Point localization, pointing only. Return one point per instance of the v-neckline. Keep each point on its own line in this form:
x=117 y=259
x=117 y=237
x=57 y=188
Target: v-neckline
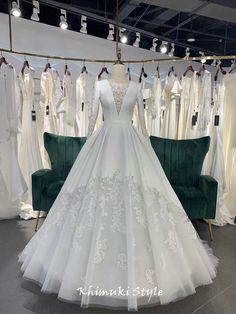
x=113 y=98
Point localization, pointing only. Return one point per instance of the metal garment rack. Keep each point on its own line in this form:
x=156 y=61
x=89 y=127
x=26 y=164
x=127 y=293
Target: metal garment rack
x=174 y=59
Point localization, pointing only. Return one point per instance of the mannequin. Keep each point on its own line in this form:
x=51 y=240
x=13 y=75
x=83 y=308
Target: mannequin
x=118 y=72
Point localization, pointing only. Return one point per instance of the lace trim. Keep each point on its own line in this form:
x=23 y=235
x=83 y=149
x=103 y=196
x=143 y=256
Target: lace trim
x=104 y=203
x=119 y=91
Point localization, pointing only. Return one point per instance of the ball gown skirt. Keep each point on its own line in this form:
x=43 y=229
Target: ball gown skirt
x=117 y=235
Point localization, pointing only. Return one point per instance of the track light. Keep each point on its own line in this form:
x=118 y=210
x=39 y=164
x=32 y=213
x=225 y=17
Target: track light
x=137 y=40
x=15 y=8
x=187 y=53
x=83 y=24
x=203 y=59
x=171 y=53
x=111 y=32
x=191 y=38
x=154 y=44
x=123 y=38
x=63 y=22
x=163 y=47
x=35 y=15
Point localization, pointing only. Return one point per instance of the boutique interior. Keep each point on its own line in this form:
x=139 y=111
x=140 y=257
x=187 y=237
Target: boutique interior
x=53 y=55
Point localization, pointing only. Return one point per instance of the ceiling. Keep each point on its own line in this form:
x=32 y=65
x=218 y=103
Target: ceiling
x=211 y=22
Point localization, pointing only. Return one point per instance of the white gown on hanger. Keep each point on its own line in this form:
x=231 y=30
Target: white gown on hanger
x=229 y=139
x=29 y=152
x=117 y=221
x=214 y=164
x=156 y=110
x=84 y=86
x=188 y=106
x=171 y=93
x=12 y=183
x=67 y=109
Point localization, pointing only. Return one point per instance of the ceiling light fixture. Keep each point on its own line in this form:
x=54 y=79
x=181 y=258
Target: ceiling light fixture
x=35 y=15
x=111 y=32
x=137 y=40
x=191 y=38
x=15 y=8
x=123 y=38
x=63 y=20
x=163 y=47
x=171 y=53
x=154 y=45
x=83 y=25
x=203 y=59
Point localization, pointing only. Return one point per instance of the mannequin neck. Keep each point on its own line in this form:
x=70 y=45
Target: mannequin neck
x=118 y=74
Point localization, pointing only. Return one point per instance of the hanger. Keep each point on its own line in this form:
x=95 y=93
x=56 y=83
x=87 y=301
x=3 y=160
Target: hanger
x=84 y=69
x=157 y=70
x=128 y=72
x=2 y=60
x=104 y=69
x=219 y=69
x=66 y=71
x=233 y=67
x=189 y=68
x=143 y=73
x=25 y=65
x=202 y=69
x=47 y=66
x=172 y=70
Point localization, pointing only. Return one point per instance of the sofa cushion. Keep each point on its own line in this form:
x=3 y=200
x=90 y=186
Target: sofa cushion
x=54 y=188
x=62 y=151
x=181 y=160
x=193 y=201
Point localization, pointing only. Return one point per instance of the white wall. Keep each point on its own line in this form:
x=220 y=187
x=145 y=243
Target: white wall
x=40 y=38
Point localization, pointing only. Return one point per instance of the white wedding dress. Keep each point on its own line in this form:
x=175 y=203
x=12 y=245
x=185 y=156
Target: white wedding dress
x=117 y=223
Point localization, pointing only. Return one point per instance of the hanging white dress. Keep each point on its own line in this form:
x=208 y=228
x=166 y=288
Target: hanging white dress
x=12 y=183
x=84 y=86
x=204 y=105
x=229 y=139
x=156 y=109
x=214 y=162
x=117 y=221
x=48 y=101
x=171 y=93
x=67 y=108
x=188 y=104
x=29 y=152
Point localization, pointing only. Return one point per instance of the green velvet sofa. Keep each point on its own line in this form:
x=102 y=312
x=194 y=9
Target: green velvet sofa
x=182 y=162
x=47 y=183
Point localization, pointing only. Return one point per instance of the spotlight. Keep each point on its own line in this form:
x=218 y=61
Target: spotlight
x=123 y=38
x=171 y=53
x=154 y=44
x=63 y=22
x=137 y=40
x=111 y=32
x=83 y=24
x=15 y=10
x=35 y=15
x=203 y=59
x=191 y=38
x=163 y=47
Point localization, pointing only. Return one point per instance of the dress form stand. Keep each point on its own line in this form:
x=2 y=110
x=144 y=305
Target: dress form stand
x=118 y=74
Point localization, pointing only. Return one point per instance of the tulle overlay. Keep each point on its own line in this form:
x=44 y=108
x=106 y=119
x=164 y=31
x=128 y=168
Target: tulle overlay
x=117 y=224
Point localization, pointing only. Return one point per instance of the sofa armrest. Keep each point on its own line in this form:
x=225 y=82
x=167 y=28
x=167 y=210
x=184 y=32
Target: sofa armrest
x=40 y=180
x=208 y=186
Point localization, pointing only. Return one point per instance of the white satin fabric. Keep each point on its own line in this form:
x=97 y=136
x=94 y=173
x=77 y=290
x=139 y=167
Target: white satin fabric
x=117 y=221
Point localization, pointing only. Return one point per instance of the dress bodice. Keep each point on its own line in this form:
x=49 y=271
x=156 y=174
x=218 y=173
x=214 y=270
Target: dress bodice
x=118 y=101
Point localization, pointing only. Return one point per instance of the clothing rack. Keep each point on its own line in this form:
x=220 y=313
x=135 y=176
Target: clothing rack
x=169 y=59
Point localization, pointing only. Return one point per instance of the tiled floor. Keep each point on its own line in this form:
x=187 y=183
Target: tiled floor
x=18 y=296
